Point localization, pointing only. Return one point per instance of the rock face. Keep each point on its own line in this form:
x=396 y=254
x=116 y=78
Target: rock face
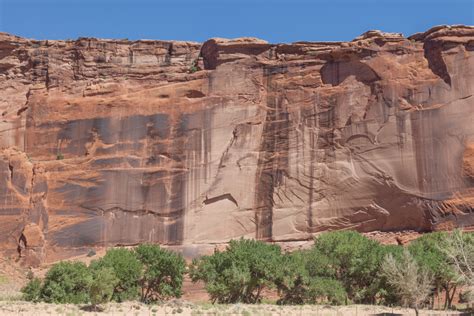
x=112 y=142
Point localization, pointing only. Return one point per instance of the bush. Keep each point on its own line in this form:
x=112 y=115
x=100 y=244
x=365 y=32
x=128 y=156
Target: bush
x=302 y=280
x=352 y=259
x=103 y=285
x=411 y=283
x=67 y=282
x=327 y=290
x=194 y=67
x=126 y=267
x=429 y=255
x=32 y=290
x=163 y=272
x=387 y=293
x=240 y=273
x=294 y=278
x=459 y=247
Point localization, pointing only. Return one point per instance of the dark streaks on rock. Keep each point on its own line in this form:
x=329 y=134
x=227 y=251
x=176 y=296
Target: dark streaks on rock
x=273 y=157
x=116 y=142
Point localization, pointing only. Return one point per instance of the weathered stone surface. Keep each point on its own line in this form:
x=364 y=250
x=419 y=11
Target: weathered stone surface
x=112 y=142
x=468 y=160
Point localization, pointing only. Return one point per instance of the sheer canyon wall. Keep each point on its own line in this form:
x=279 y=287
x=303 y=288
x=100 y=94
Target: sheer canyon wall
x=117 y=142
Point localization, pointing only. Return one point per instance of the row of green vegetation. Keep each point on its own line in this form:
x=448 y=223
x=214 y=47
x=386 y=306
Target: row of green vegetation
x=340 y=268
x=147 y=272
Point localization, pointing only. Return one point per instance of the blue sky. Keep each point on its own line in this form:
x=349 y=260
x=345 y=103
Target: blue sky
x=198 y=20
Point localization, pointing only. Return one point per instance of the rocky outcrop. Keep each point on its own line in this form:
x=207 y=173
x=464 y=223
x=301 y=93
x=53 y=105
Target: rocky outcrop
x=114 y=142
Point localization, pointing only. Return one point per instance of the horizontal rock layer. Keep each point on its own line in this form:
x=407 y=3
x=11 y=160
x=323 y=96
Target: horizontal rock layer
x=115 y=142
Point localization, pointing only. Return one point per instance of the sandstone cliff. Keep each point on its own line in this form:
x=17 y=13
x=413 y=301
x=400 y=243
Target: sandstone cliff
x=116 y=142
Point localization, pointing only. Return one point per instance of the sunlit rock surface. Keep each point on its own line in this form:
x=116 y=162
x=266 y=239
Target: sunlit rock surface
x=116 y=142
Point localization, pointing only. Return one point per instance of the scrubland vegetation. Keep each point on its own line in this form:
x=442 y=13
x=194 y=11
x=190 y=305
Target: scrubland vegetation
x=341 y=268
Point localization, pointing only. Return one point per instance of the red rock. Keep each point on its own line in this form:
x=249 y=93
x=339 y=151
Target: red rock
x=116 y=142
x=468 y=161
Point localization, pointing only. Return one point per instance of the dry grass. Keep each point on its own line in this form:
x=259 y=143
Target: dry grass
x=178 y=307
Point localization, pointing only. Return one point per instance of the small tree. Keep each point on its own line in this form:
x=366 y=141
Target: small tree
x=429 y=255
x=103 y=285
x=32 y=290
x=387 y=293
x=327 y=290
x=412 y=284
x=127 y=268
x=294 y=278
x=67 y=282
x=240 y=273
x=459 y=247
x=305 y=278
x=163 y=272
x=351 y=258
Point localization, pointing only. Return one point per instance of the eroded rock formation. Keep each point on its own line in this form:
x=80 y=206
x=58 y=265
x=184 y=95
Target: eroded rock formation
x=112 y=142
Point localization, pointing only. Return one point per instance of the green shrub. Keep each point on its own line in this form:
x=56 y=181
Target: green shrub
x=127 y=269
x=353 y=259
x=294 y=278
x=32 y=290
x=459 y=248
x=103 y=285
x=326 y=290
x=428 y=253
x=163 y=272
x=240 y=273
x=67 y=282
x=412 y=284
x=194 y=67
x=387 y=293
x=302 y=280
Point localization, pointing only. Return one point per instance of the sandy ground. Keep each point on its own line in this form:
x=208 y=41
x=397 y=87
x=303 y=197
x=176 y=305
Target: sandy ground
x=185 y=308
